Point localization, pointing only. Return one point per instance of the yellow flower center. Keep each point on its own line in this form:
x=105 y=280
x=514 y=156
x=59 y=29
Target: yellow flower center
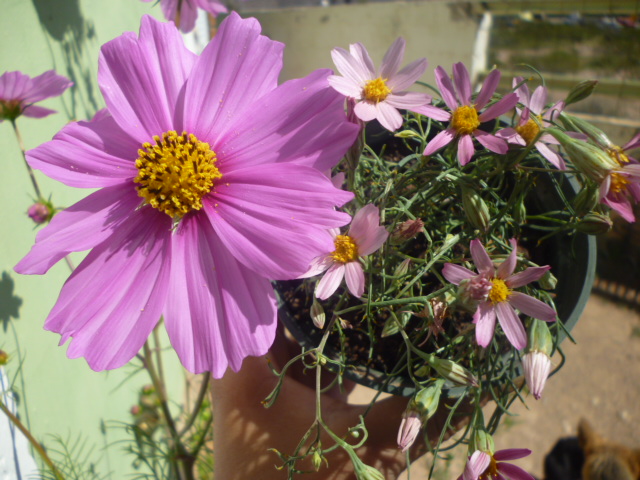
x=465 y=120
x=346 y=249
x=617 y=154
x=529 y=131
x=175 y=173
x=619 y=182
x=499 y=291
x=376 y=90
x=491 y=472
x=10 y=109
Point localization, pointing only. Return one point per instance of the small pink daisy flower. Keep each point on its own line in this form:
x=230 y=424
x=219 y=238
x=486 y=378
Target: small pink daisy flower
x=483 y=465
x=621 y=187
x=492 y=288
x=378 y=93
x=19 y=92
x=184 y=12
x=533 y=118
x=364 y=237
x=466 y=116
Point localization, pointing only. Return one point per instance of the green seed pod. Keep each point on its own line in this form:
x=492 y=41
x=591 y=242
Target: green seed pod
x=594 y=224
x=475 y=209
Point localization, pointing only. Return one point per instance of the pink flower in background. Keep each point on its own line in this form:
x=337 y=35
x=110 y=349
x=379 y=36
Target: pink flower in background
x=532 y=119
x=378 y=93
x=482 y=465
x=184 y=12
x=19 y=92
x=493 y=290
x=409 y=429
x=536 y=366
x=466 y=116
x=621 y=187
x=365 y=236
x=210 y=185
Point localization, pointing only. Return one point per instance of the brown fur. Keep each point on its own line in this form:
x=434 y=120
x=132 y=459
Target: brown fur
x=606 y=460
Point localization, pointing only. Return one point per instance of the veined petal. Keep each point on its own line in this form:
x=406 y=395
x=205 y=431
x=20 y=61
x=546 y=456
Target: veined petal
x=462 y=82
x=36 y=111
x=88 y=155
x=507 y=267
x=345 y=86
x=188 y=16
x=445 y=86
x=527 y=276
x=388 y=116
x=456 y=273
x=330 y=281
x=140 y=85
x=349 y=66
x=112 y=301
x=481 y=258
x=532 y=307
x=511 y=324
x=476 y=465
x=219 y=312
x=433 y=112
x=465 y=149
x=511 y=454
x=365 y=229
x=393 y=59
x=80 y=227
x=214 y=7
x=238 y=67
x=522 y=91
x=354 y=276
x=501 y=107
x=622 y=205
x=274 y=219
x=318 y=265
x=442 y=139
x=538 y=100
x=366 y=111
x=488 y=89
x=361 y=55
x=485 y=320
x=408 y=100
x=302 y=121
x=554 y=158
x=491 y=142
x=513 y=472
x=408 y=75
x=633 y=143
x=47 y=85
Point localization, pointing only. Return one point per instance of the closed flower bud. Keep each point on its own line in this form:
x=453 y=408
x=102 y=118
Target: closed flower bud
x=135 y=410
x=481 y=440
x=317 y=314
x=520 y=213
x=586 y=157
x=409 y=429
x=4 y=357
x=594 y=133
x=40 y=212
x=427 y=399
x=406 y=231
x=365 y=472
x=581 y=91
x=540 y=338
x=453 y=372
x=594 y=224
x=317 y=460
x=536 y=366
x=548 y=281
x=586 y=199
x=475 y=209
x=402 y=269
x=407 y=134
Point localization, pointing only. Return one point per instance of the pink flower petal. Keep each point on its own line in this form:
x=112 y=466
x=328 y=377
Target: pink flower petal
x=141 y=81
x=525 y=277
x=491 y=142
x=511 y=324
x=554 y=158
x=408 y=100
x=446 y=88
x=532 y=307
x=393 y=59
x=112 y=301
x=354 y=276
x=476 y=465
x=80 y=227
x=465 y=149
x=433 y=112
x=14 y=85
x=238 y=67
x=633 y=143
x=88 y=155
x=481 y=259
x=513 y=472
x=507 y=267
x=366 y=111
x=345 y=86
x=330 y=281
x=408 y=75
x=219 y=312
x=488 y=88
x=47 y=85
x=522 y=91
x=462 y=82
x=538 y=100
x=361 y=56
x=388 y=116
x=318 y=265
x=366 y=230
x=455 y=273
x=349 y=67
x=35 y=111
x=511 y=454
x=442 y=139
x=302 y=121
x=485 y=320
x=501 y=107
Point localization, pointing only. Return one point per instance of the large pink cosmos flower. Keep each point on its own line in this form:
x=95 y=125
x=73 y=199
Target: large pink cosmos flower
x=19 y=92
x=492 y=289
x=364 y=237
x=210 y=185
x=466 y=116
x=378 y=93
x=185 y=12
x=621 y=187
x=494 y=467
x=528 y=128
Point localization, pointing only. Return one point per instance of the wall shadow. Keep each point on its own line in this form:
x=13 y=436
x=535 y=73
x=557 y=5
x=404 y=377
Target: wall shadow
x=9 y=303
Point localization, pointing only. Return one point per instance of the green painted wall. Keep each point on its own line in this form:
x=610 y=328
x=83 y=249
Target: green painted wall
x=63 y=396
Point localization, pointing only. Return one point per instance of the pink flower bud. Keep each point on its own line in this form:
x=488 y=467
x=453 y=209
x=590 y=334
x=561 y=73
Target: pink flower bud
x=135 y=410
x=409 y=429
x=39 y=213
x=4 y=357
x=406 y=230
x=536 y=367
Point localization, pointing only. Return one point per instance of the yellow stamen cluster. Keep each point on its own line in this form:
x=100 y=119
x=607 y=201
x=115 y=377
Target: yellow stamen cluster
x=376 y=90
x=618 y=155
x=346 y=249
x=529 y=131
x=619 y=182
x=465 y=120
x=491 y=472
x=499 y=291
x=175 y=173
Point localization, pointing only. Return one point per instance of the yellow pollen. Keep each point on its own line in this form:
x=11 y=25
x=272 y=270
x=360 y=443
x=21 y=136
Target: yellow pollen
x=499 y=291
x=619 y=182
x=346 y=249
x=465 y=120
x=376 y=90
x=491 y=472
x=175 y=173
x=529 y=131
x=617 y=154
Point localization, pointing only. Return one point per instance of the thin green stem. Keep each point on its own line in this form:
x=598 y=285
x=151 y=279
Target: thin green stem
x=34 y=182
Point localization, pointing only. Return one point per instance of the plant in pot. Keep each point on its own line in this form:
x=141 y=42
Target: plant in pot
x=470 y=255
